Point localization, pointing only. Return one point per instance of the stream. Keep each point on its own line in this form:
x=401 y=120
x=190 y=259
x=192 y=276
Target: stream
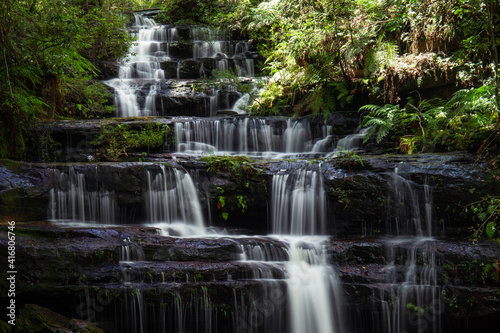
x=312 y=241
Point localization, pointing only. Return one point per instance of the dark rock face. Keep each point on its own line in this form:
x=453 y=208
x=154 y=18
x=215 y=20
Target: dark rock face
x=189 y=69
x=190 y=275
x=181 y=50
x=37 y=319
x=169 y=68
x=358 y=198
x=176 y=271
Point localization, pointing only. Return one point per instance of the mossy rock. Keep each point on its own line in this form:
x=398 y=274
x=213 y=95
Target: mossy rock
x=37 y=319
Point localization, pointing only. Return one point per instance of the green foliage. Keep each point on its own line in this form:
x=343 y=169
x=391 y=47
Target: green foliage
x=349 y=159
x=474 y=272
x=344 y=196
x=42 y=43
x=419 y=310
x=310 y=44
x=487 y=211
x=381 y=119
x=241 y=172
x=240 y=165
x=45 y=146
x=117 y=139
x=87 y=98
x=206 y=12
x=5 y=327
x=434 y=124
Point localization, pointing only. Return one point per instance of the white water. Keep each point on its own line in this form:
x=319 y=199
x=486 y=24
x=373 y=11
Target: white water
x=353 y=141
x=71 y=202
x=142 y=74
x=413 y=302
x=314 y=290
x=170 y=199
x=142 y=66
x=299 y=203
x=172 y=203
x=259 y=137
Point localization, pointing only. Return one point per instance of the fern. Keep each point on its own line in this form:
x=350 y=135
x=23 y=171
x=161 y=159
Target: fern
x=383 y=54
x=382 y=119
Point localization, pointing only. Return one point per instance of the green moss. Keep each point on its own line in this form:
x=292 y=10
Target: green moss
x=117 y=140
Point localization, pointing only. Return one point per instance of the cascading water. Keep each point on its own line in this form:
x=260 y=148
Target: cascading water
x=299 y=209
x=412 y=299
x=266 y=137
x=299 y=203
x=142 y=67
x=314 y=290
x=71 y=201
x=164 y=54
x=172 y=203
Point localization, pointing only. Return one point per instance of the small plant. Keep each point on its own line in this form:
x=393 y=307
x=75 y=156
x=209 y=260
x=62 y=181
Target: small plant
x=143 y=157
x=45 y=145
x=117 y=139
x=87 y=98
x=221 y=204
x=241 y=170
x=382 y=120
x=349 y=159
x=487 y=210
x=344 y=196
x=242 y=202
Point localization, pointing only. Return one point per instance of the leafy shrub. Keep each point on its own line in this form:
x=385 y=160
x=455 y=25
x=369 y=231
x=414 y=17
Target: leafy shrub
x=117 y=139
x=87 y=98
x=433 y=123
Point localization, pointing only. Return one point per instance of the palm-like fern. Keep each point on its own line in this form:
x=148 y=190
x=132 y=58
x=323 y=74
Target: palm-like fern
x=382 y=120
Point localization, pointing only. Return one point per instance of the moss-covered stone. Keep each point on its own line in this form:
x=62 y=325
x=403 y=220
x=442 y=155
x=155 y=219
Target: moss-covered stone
x=37 y=319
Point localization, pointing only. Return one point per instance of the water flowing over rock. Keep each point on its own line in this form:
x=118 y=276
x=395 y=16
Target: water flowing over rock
x=314 y=232
x=154 y=77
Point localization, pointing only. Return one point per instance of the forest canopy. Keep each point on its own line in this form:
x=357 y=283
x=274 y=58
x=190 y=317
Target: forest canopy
x=392 y=59
x=48 y=50
x=425 y=73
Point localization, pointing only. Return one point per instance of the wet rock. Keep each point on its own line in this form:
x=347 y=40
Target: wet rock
x=226 y=99
x=36 y=319
x=189 y=69
x=23 y=192
x=185 y=105
x=108 y=70
x=197 y=249
x=208 y=65
x=181 y=50
x=183 y=32
x=169 y=68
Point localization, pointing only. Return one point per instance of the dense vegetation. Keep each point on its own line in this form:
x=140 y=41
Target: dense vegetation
x=321 y=55
x=423 y=72
x=396 y=56
x=50 y=52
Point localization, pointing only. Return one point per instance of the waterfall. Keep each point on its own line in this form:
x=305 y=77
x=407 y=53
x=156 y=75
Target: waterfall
x=412 y=300
x=172 y=203
x=314 y=290
x=131 y=259
x=142 y=68
x=407 y=216
x=266 y=137
x=299 y=203
x=353 y=141
x=71 y=202
x=295 y=137
x=161 y=53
